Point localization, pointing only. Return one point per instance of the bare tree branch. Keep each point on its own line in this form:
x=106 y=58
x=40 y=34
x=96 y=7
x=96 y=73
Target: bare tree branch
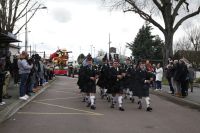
x=143 y=15
x=158 y=5
x=185 y=18
x=27 y=20
x=175 y=13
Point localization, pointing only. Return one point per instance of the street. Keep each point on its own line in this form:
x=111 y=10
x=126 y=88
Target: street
x=59 y=110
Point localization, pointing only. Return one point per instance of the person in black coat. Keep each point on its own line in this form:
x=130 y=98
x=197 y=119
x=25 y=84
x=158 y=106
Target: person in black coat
x=184 y=78
x=115 y=89
x=169 y=76
x=103 y=78
x=142 y=83
x=127 y=81
x=2 y=79
x=90 y=76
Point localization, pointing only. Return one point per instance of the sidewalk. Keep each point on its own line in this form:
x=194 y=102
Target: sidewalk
x=192 y=100
x=14 y=103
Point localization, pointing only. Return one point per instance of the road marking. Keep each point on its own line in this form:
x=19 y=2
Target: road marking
x=55 y=99
x=37 y=113
x=54 y=105
x=69 y=92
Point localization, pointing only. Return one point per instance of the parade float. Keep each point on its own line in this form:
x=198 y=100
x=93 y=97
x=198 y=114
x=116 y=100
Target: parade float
x=60 y=60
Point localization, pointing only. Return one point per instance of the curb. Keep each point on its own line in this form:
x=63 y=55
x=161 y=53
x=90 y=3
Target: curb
x=18 y=104
x=177 y=100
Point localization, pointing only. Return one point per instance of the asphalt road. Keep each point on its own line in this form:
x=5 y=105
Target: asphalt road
x=59 y=110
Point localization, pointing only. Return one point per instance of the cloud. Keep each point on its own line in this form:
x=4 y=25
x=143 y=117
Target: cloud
x=61 y=15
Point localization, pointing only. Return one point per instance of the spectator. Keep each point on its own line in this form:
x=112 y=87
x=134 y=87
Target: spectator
x=2 y=78
x=159 y=76
x=176 y=77
x=24 y=71
x=7 y=77
x=169 y=76
x=184 y=78
x=15 y=70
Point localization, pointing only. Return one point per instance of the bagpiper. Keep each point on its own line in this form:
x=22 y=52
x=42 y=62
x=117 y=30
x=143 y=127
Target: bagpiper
x=103 y=81
x=90 y=76
x=142 y=82
x=115 y=88
x=127 y=80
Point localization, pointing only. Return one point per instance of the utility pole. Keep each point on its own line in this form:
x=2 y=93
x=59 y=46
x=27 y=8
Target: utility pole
x=109 y=45
x=91 y=46
x=26 y=32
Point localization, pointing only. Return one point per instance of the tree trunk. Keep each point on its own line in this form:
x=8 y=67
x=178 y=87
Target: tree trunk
x=168 y=48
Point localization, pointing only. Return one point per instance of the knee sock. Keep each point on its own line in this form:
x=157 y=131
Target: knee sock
x=114 y=99
x=92 y=99
x=130 y=94
x=105 y=90
x=147 y=99
x=120 y=101
x=127 y=91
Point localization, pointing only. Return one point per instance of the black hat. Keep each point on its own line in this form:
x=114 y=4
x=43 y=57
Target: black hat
x=110 y=57
x=89 y=57
x=116 y=58
x=105 y=57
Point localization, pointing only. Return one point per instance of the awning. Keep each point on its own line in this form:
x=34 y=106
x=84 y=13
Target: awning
x=4 y=38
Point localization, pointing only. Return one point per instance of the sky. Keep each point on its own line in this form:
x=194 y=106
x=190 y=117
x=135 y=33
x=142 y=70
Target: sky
x=82 y=26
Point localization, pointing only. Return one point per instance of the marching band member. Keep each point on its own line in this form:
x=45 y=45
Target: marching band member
x=89 y=76
x=142 y=82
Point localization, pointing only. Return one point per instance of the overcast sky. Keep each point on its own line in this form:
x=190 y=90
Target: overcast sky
x=78 y=24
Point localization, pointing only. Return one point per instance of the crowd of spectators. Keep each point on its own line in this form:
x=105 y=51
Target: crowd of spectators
x=28 y=73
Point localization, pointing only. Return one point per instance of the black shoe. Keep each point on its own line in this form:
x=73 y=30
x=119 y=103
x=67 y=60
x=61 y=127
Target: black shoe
x=88 y=105
x=149 y=109
x=132 y=100
x=140 y=105
x=112 y=106
x=93 y=107
x=121 y=108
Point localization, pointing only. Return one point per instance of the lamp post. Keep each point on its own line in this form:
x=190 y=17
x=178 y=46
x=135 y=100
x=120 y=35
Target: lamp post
x=26 y=32
x=26 y=26
x=109 y=46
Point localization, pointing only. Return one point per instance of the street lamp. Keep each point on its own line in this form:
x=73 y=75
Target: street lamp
x=26 y=26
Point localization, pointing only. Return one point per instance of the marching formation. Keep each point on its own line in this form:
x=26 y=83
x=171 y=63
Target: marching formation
x=116 y=81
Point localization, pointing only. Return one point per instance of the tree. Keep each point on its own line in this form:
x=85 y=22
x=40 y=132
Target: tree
x=80 y=58
x=12 y=11
x=173 y=12
x=145 y=45
x=183 y=44
x=194 y=37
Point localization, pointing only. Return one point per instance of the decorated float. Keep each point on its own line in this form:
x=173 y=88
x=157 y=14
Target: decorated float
x=60 y=60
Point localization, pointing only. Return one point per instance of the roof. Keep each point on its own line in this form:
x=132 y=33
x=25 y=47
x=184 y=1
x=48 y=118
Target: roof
x=4 y=38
